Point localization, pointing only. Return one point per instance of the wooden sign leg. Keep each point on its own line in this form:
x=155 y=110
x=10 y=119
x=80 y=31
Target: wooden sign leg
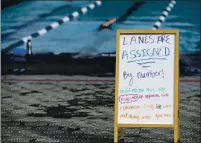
x=176 y=131
x=121 y=135
x=176 y=135
x=115 y=133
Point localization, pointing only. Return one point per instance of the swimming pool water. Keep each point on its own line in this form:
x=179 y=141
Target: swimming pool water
x=81 y=35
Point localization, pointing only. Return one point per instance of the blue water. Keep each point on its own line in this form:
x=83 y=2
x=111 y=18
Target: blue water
x=81 y=35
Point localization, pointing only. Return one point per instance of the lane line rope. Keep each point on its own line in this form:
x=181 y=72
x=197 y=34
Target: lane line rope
x=52 y=26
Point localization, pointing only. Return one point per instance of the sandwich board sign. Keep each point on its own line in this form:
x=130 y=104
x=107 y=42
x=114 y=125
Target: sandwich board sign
x=147 y=80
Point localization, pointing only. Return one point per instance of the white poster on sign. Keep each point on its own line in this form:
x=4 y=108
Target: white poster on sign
x=146 y=78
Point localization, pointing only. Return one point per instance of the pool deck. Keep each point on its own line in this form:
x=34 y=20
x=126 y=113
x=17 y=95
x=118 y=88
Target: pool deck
x=56 y=108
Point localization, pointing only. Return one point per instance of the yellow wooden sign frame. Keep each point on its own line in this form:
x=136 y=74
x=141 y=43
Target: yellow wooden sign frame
x=175 y=125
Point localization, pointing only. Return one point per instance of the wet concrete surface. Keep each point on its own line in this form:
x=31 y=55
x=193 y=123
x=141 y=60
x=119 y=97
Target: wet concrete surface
x=38 y=110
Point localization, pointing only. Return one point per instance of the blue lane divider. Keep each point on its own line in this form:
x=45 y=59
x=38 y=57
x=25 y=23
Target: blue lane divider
x=54 y=25
x=164 y=15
